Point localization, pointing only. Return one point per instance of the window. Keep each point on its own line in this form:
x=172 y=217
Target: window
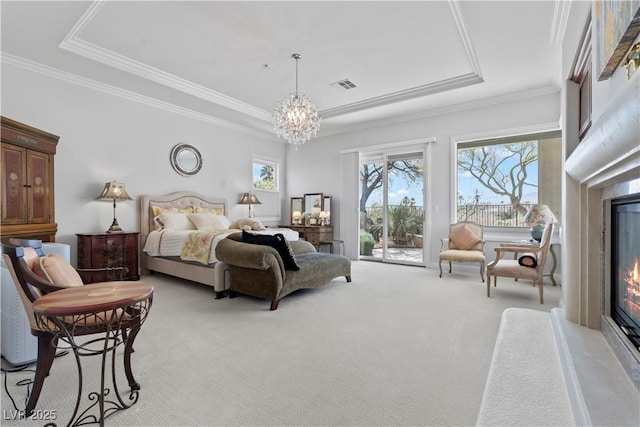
x=499 y=179
x=265 y=174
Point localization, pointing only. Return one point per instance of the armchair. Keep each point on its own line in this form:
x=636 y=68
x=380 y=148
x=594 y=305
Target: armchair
x=515 y=268
x=464 y=244
x=36 y=274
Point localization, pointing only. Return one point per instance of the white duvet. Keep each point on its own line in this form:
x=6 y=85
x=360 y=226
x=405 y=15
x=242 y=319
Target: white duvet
x=170 y=242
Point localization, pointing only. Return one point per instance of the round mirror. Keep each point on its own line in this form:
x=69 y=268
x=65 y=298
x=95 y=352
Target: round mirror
x=186 y=159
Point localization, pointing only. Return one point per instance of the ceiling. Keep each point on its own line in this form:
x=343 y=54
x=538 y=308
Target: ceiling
x=230 y=63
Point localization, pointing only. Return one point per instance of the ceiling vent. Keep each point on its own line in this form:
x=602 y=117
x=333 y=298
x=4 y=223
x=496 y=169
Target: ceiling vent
x=345 y=84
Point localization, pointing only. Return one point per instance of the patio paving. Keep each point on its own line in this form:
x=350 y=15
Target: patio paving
x=413 y=255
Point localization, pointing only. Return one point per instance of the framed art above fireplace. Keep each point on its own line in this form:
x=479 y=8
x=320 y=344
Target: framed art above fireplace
x=617 y=24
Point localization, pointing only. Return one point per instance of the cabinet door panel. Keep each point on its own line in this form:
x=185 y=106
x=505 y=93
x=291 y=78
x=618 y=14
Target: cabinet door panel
x=38 y=187
x=14 y=194
x=27 y=199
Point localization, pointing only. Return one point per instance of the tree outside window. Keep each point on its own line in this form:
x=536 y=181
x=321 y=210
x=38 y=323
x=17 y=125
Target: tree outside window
x=499 y=180
x=265 y=175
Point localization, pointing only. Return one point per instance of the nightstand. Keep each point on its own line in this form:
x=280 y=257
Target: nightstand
x=104 y=257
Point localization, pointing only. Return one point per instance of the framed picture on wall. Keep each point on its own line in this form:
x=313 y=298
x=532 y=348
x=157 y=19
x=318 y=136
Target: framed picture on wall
x=617 y=24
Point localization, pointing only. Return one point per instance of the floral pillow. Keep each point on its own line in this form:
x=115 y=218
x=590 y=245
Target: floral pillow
x=200 y=209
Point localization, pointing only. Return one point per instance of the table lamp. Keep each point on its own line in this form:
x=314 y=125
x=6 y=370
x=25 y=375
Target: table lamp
x=296 y=217
x=249 y=199
x=323 y=218
x=114 y=191
x=537 y=217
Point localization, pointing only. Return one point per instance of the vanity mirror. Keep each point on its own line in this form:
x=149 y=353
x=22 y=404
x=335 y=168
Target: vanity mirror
x=186 y=159
x=326 y=207
x=297 y=208
x=312 y=209
x=313 y=202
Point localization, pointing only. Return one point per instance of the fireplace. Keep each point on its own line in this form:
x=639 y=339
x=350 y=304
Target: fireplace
x=625 y=266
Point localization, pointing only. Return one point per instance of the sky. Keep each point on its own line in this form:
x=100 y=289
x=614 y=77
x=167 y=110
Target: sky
x=467 y=185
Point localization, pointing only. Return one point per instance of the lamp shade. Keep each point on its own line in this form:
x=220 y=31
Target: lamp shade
x=539 y=214
x=249 y=199
x=114 y=191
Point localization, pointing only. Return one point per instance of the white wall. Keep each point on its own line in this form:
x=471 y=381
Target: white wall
x=315 y=166
x=105 y=137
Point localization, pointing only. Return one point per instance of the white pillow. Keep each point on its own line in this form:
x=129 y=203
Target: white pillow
x=209 y=221
x=156 y=211
x=175 y=221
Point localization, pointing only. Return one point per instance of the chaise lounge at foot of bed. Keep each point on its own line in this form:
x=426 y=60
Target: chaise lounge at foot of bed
x=260 y=271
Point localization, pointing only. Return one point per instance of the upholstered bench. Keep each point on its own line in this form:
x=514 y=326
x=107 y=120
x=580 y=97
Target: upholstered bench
x=526 y=385
x=266 y=269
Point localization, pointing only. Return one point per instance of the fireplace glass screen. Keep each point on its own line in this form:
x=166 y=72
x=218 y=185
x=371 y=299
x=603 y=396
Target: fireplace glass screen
x=625 y=271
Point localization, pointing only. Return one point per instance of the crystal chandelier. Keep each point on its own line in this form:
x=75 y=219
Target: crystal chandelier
x=296 y=119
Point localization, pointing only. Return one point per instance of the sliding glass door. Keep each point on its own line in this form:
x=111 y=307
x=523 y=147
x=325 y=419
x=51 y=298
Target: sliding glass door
x=392 y=200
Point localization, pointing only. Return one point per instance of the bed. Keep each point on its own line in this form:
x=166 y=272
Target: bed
x=161 y=247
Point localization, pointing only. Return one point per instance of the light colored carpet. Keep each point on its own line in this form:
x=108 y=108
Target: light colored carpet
x=397 y=346
x=525 y=386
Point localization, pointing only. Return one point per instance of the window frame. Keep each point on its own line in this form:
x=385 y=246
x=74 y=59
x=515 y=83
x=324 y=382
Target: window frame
x=536 y=132
x=265 y=161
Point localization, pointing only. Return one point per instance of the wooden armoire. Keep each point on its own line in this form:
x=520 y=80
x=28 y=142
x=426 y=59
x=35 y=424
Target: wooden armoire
x=27 y=190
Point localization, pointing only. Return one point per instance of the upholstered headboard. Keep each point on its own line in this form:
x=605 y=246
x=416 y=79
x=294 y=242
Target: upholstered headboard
x=180 y=200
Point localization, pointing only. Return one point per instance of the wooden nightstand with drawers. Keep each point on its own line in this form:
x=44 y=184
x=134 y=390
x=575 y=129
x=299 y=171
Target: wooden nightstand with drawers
x=104 y=257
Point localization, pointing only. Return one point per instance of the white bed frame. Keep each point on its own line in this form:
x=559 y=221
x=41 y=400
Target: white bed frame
x=213 y=274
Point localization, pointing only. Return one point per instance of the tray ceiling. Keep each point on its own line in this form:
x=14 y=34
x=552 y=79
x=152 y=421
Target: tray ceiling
x=230 y=62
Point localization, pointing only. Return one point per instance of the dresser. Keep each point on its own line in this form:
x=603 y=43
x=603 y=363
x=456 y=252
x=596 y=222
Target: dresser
x=27 y=187
x=108 y=256
x=313 y=234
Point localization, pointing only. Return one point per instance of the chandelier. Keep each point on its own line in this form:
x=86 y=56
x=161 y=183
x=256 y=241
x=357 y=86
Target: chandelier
x=296 y=119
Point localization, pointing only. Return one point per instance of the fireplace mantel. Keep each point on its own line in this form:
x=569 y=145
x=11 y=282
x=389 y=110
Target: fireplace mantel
x=611 y=146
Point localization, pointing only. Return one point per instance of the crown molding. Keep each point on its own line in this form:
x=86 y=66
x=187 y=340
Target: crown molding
x=74 y=44
x=464 y=35
x=416 y=92
x=561 y=9
x=48 y=71
x=75 y=79
x=448 y=109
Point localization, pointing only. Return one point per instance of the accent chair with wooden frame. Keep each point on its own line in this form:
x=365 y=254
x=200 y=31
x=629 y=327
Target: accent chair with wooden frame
x=464 y=244
x=533 y=269
x=24 y=258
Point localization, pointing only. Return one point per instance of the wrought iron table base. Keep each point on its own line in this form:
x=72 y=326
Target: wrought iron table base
x=119 y=325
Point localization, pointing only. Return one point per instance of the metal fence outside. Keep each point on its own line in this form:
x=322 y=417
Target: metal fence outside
x=500 y=215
